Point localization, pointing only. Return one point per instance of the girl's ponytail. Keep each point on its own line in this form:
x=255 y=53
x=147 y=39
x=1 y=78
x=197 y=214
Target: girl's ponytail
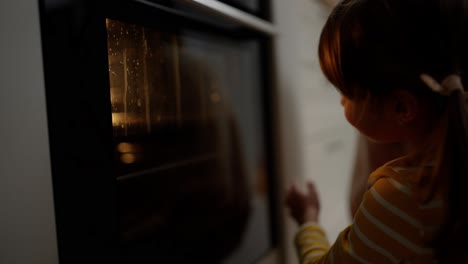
x=453 y=165
x=453 y=159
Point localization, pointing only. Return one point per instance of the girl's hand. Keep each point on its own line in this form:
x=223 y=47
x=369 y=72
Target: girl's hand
x=303 y=207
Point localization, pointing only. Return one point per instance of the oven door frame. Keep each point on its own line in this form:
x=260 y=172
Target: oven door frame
x=74 y=40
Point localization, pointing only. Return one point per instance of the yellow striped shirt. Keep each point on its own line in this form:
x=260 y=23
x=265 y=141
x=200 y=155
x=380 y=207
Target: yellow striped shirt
x=392 y=225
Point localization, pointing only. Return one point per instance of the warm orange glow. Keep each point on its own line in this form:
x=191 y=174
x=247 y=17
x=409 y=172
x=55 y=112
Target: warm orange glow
x=128 y=158
x=125 y=147
x=123 y=119
x=118 y=119
x=215 y=97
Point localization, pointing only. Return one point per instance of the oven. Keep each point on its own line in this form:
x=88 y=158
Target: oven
x=161 y=130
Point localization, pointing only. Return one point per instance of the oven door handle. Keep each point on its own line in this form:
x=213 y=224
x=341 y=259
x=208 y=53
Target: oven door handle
x=214 y=7
x=234 y=14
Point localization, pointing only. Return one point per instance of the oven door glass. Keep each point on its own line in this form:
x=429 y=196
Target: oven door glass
x=188 y=126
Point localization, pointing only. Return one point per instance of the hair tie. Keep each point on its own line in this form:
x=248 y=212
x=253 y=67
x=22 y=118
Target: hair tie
x=446 y=87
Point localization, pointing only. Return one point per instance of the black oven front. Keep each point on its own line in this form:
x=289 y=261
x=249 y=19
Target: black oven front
x=160 y=132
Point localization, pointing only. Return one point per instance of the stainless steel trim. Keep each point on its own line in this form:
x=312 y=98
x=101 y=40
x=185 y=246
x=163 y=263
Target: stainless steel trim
x=233 y=14
x=224 y=10
x=159 y=6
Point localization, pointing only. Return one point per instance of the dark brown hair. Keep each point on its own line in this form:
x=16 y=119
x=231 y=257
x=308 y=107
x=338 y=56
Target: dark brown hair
x=368 y=48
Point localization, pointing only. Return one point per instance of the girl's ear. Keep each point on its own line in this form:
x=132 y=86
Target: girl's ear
x=406 y=107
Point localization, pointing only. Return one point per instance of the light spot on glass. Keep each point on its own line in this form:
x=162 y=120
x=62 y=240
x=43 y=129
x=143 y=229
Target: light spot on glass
x=128 y=158
x=215 y=97
x=125 y=147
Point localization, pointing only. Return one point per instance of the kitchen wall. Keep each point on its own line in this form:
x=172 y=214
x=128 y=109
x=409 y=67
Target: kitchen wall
x=27 y=225
x=316 y=141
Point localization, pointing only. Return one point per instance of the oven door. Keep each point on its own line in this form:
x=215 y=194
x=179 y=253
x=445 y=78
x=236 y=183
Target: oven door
x=160 y=133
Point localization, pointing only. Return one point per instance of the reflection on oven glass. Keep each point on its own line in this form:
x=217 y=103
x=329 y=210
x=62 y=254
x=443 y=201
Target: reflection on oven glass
x=129 y=152
x=189 y=150
x=140 y=98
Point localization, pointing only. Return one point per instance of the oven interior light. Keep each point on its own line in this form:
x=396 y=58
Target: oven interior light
x=129 y=152
x=128 y=158
x=125 y=147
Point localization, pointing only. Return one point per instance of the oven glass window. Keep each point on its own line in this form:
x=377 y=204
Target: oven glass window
x=189 y=145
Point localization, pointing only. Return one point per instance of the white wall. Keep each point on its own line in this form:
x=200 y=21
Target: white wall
x=27 y=226
x=316 y=141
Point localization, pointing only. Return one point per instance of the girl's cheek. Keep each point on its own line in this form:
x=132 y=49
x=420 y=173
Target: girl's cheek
x=353 y=116
x=349 y=115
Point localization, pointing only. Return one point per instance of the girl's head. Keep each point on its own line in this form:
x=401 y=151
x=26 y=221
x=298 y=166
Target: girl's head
x=373 y=47
x=375 y=51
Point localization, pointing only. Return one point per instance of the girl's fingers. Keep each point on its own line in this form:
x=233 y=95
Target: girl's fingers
x=290 y=194
x=313 y=195
x=312 y=190
x=311 y=187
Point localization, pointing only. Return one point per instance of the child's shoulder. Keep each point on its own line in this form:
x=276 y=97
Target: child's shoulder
x=404 y=173
x=397 y=169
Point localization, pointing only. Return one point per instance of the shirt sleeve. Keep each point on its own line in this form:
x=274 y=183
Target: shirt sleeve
x=385 y=229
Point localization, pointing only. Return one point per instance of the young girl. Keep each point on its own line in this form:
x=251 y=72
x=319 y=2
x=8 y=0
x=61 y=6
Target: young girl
x=399 y=66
